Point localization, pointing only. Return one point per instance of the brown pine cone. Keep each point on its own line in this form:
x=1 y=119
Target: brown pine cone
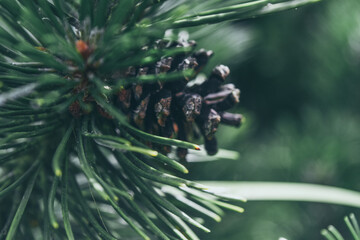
x=176 y=108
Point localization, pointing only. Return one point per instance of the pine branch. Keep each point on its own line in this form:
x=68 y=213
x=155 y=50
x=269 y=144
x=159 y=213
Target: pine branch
x=97 y=88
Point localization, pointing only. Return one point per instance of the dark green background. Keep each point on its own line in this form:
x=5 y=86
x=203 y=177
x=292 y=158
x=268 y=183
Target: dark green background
x=298 y=72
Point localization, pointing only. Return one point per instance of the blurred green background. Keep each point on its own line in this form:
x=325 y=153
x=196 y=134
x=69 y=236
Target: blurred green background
x=299 y=74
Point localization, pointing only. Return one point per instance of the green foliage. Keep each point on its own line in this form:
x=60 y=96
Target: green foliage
x=299 y=86
x=61 y=64
x=331 y=233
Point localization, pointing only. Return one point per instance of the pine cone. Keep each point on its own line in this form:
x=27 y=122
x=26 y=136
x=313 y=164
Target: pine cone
x=181 y=107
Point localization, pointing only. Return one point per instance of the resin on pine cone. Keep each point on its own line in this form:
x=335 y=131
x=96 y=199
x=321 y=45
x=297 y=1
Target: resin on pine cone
x=185 y=108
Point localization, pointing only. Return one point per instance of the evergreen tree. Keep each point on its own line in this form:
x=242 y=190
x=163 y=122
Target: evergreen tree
x=93 y=96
